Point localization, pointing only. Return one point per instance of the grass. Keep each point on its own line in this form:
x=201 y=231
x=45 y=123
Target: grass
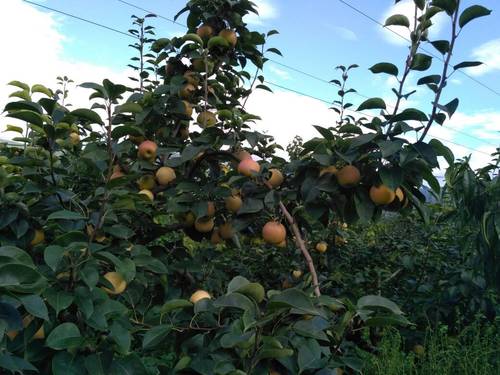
x=476 y=351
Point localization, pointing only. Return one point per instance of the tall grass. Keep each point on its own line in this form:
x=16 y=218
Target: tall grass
x=476 y=351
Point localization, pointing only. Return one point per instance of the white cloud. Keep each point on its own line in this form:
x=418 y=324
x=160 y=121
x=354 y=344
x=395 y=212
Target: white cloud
x=407 y=8
x=266 y=11
x=283 y=74
x=489 y=54
x=345 y=33
x=35 y=55
x=285 y=114
x=482 y=125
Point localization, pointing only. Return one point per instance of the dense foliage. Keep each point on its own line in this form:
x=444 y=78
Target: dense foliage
x=114 y=217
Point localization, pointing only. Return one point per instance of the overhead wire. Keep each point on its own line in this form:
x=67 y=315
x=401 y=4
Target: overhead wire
x=271 y=83
x=315 y=77
x=81 y=19
x=364 y=14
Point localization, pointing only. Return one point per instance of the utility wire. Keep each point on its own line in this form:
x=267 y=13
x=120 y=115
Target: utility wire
x=422 y=48
x=150 y=12
x=310 y=75
x=368 y=115
x=81 y=19
x=271 y=83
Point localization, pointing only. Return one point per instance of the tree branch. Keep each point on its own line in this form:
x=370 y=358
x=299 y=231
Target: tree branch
x=299 y=241
x=444 y=77
x=302 y=246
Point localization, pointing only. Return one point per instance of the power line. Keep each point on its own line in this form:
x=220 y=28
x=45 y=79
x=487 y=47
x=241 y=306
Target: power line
x=150 y=12
x=368 y=115
x=422 y=48
x=80 y=18
x=310 y=75
x=271 y=83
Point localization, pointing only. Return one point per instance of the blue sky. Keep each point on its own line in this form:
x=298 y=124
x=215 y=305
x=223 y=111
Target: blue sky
x=315 y=36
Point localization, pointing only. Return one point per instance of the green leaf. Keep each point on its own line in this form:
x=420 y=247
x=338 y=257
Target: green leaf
x=155 y=336
x=389 y=148
x=362 y=140
x=434 y=78
x=53 y=255
x=364 y=206
x=467 y=64
x=159 y=44
x=10 y=315
x=275 y=51
x=383 y=321
x=251 y=205
x=88 y=115
x=420 y=4
x=13 y=128
x=19 y=84
x=443 y=151
x=121 y=335
x=372 y=103
x=119 y=231
x=392 y=177
x=309 y=356
x=175 y=304
x=449 y=6
x=427 y=152
x=236 y=300
x=150 y=263
x=123 y=130
x=385 y=67
x=193 y=38
x=64 y=336
x=293 y=298
x=58 y=299
x=370 y=301
x=431 y=179
x=442 y=46
x=64 y=363
x=23 y=104
x=421 y=62
x=12 y=254
x=410 y=114
x=397 y=20
x=65 y=215
x=42 y=89
x=471 y=13
x=35 y=306
x=28 y=116
x=21 y=278
x=94 y=364
x=90 y=275
x=129 y=107
x=15 y=364
x=236 y=283
x=326 y=133
x=449 y=108
x=274 y=353
x=130 y=365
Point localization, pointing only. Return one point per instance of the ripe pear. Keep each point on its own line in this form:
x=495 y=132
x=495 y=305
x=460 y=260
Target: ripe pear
x=273 y=232
x=165 y=175
x=229 y=36
x=147 y=151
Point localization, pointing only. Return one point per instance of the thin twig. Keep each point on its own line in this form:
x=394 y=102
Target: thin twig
x=409 y=63
x=299 y=241
x=444 y=77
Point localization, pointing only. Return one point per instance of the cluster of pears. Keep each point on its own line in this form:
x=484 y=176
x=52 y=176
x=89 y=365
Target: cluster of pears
x=350 y=176
x=163 y=176
x=208 y=36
